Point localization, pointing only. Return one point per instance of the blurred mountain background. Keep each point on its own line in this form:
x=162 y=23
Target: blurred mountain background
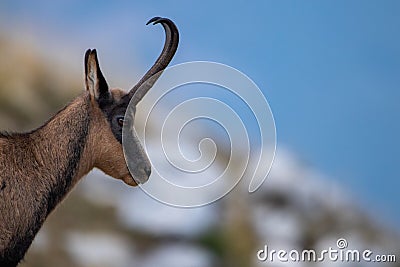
x=104 y=223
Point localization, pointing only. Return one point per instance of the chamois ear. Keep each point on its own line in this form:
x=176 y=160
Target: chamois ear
x=95 y=82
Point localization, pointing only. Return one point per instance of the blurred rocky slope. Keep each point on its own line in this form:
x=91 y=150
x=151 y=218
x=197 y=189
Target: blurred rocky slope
x=31 y=88
x=105 y=223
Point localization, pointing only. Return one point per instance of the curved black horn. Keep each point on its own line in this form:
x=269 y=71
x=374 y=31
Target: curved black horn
x=170 y=46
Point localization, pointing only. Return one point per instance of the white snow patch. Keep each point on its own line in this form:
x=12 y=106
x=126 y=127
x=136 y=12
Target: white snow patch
x=99 y=249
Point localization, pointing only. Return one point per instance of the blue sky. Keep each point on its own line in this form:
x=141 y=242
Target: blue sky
x=329 y=69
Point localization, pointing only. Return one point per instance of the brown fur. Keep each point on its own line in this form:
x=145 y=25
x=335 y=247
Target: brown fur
x=27 y=195
x=114 y=166
x=38 y=169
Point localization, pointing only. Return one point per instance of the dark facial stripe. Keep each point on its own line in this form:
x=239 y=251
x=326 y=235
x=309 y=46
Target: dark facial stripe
x=113 y=109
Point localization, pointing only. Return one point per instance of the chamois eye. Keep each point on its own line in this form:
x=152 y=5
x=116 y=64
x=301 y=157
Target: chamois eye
x=120 y=120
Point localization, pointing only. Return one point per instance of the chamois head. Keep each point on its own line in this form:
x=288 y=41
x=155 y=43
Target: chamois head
x=110 y=106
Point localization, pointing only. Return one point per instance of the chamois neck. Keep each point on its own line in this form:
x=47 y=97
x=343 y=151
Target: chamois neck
x=59 y=146
x=43 y=166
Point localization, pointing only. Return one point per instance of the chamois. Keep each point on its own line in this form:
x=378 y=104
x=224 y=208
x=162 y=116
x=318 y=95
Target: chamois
x=39 y=168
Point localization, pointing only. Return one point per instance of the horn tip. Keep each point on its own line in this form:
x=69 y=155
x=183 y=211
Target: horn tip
x=157 y=20
x=154 y=20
